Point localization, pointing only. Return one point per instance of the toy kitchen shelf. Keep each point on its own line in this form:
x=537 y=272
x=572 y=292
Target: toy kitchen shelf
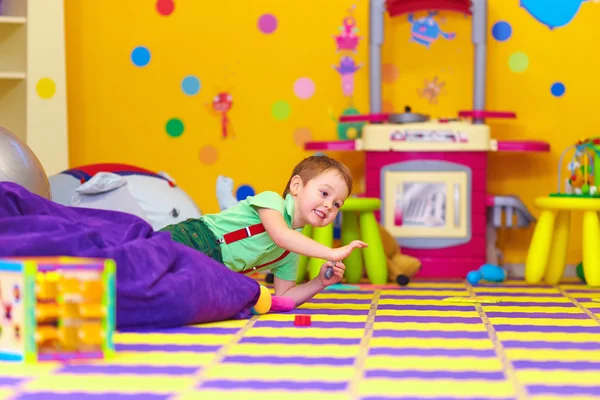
x=431 y=178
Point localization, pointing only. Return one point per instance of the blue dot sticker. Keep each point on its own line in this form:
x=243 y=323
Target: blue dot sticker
x=190 y=85
x=501 y=31
x=140 y=56
x=557 y=89
x=244 y=191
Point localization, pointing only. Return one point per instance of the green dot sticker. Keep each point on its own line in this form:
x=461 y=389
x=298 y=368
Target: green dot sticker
x=175 y=127
x=281 y=110
x=518 y=62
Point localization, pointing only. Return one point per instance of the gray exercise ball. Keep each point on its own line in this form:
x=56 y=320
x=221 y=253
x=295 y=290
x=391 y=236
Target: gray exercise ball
x=20 y=165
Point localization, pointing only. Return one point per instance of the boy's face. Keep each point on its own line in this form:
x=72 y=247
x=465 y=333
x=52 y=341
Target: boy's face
x=319 y=200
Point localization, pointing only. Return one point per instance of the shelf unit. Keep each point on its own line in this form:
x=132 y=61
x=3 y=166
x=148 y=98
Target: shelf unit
x=33 y=102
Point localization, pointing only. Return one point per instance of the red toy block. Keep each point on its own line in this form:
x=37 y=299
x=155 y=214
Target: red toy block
x=302 y=320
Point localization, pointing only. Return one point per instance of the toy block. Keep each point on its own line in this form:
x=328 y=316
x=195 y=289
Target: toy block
x=56 y=308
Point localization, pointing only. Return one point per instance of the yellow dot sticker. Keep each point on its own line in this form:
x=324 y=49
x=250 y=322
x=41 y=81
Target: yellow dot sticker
x=46 y=88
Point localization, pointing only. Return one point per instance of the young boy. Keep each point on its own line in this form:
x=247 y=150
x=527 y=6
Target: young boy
x=265 y=230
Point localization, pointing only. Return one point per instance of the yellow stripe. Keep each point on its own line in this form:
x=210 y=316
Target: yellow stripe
x=396 y=302
x=536 y=299
x=234 y=323
x=429 y=313
x=157 y=358
x=420 y=293
x=549 y=337
x=270 y=394
x=317 y=317
x=6 y=394
x=22 y=370
x=437 y=285
x=344 y=296
x=590 y=304
x=433 y=363
x=178 y=338
x=589 y=295
x=294 y=350
x=277 y=372
x=306 y=332
x=502 y=289
x=446 y=388
x=424 y=343
x=549 y=355
x=533 y=309
x=563 y=397
x=418 y=326
x=93 y=383
x=578 y=288
x=543 y=321
x=557 y=378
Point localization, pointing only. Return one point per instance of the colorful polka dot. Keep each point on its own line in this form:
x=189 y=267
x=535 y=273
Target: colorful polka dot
x=208 y=155
x=281 y=110
x=267 y=23
x=190 y=85
x=389 y=73
x=518 y=62
x=140 y=56
x=557 y=89
x=387 y=106
x=45 y=88
x=304 y=88
x=165 y=7
x=301 y=136
x=501 y=31
x=174 y=127
x=244 y=191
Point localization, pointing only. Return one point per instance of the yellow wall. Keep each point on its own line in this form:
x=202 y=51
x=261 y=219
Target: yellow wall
x=118 y=111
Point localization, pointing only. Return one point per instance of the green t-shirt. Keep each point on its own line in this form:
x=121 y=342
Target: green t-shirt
x=257 y=249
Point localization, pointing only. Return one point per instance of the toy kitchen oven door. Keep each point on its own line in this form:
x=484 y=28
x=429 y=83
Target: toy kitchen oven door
x=426 y=206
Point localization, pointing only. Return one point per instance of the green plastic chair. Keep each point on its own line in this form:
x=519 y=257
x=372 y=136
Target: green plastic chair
x=358 y=223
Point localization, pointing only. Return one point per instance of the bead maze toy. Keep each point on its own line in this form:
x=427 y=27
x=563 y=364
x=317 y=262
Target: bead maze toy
x=56 y=309
x=581 y=181
x=431 y=173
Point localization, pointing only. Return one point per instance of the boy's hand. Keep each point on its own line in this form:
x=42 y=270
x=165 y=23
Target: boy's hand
x=338 y=273
x=342 y=252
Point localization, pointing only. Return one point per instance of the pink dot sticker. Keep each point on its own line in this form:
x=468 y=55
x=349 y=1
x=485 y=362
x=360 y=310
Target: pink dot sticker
x=267 y=23
x=165 y=7
x=304 y=88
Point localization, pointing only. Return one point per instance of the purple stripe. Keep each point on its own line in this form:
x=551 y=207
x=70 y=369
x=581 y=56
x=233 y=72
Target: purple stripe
x=518 y=344
x=551 y=365
x=188 y=330
x=92 y=396
x=513 y=294
x=128 y=369
x=564 y=390
x=578 y=292
x=316 y=324
x=430 y=334
x=530 y=304
x=340 y=311
x=198 y=348
x=9 y=381
x=333 y=361
x=462 y=375
x=344 y=291
x=426 y=319
x=594 y=309
x=409 y=352
x=520 y=286
x=340 y=301
x=412 y=307
x=546 y=329
x=538 y=315
x=274 y=385
x=583 y=299
x=416 y=297
x=291 y=340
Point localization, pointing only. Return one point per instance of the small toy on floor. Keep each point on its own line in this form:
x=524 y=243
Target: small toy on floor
x=401 y=267
x=302 y=320
x=268 y=303
x=487 y=272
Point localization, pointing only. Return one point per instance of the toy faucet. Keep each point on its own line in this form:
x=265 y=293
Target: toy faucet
x=487 y=272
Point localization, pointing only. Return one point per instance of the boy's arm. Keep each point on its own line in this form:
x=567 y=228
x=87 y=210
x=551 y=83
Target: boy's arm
x=290 y=239
x=301 y=293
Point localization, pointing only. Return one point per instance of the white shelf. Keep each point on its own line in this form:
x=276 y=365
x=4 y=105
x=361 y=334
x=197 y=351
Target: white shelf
x=12 y=75
x=6 y=19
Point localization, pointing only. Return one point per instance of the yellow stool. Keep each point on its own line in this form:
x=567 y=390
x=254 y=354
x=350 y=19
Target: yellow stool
x=547 y=254
x=358 y=223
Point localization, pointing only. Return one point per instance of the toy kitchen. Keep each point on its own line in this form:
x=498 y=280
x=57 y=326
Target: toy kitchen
x=430 y=174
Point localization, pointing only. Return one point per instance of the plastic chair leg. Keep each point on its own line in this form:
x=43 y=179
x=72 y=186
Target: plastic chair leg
x=354 y=262
x=539 y=249
x=591 y=248
x=374 y=255
x=323 y=235
x=557 y=259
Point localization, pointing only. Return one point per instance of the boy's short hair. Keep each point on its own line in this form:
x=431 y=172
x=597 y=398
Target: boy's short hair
x=311 y=167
